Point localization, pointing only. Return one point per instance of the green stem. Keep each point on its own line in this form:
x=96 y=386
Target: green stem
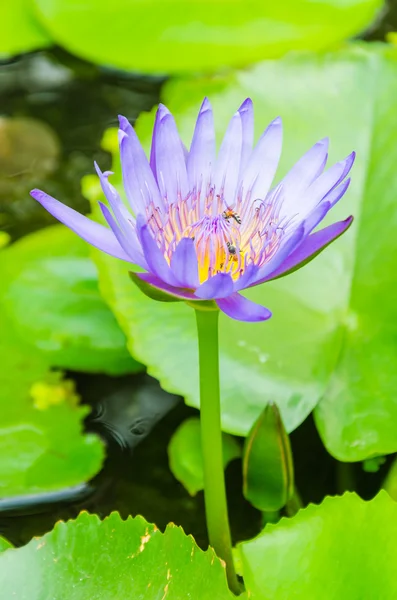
x=294 y=504
x=211 y=441
x=345 y=477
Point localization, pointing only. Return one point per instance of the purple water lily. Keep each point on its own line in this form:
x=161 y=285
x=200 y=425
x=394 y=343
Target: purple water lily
x=206 y=226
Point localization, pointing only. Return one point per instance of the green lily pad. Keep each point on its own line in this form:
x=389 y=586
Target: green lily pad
x=165 y=36
x=87 y=558
x=20 y=29
x=4 y=544
x=390 y=482
x=51 y=298
x=185 y=456
x=344 y=548
x=42 y=445
x=332 y=335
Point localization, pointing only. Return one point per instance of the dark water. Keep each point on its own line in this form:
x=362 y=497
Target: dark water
x=72 y=103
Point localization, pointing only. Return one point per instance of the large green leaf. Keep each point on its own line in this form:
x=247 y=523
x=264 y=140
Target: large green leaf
x=185 y=35
x=4 y=544
x=186 y=458
x=20 y=29
x=334 y=327
x=42 y=447
x=50 y=295
x=89 y=559
x=344 y=548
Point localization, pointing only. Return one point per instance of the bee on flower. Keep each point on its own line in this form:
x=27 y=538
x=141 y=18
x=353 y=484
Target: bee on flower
x=230 y=214
x=205 y=226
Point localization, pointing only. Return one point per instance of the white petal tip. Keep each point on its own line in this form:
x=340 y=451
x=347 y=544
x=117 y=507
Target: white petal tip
x=277 y=122
x=324 y=142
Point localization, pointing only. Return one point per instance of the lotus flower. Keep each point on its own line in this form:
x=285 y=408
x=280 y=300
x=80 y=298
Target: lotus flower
x=205 y=226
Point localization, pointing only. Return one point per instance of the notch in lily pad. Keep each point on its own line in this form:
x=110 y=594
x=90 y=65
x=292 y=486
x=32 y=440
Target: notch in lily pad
x=268 y=472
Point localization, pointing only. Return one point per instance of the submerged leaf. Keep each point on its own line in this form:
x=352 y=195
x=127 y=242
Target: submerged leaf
x=186 y=458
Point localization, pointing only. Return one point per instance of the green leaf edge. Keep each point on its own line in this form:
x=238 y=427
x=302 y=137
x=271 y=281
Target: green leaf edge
x=351 y=499
x=193 y=490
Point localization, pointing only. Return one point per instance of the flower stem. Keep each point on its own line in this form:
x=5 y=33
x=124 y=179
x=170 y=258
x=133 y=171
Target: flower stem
x=211 y=441
x=294 y=504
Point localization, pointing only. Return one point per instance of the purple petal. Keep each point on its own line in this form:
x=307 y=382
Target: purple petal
x=263 y=162
x=161 y=111
x=228 y=164
x=120 y=212
x=304 y=172
x=99 y=236
x=164 y=287
x=313 y=245
x=170 y=161
x=324 y=184
x=240 y=308
x=184 y=264
x=201 y=158
x=336 y=194
x=320 y=211
x=152 y=253
x=124 y=241
x=124 y=219
x=218 y=286
x=246 y=111
x=315 y=217
x=260 y=275
x=138 y=179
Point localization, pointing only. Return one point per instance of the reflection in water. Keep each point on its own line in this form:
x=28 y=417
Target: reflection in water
x=128 y=415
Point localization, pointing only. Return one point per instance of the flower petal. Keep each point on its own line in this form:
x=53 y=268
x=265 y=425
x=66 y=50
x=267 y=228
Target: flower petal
x=139 y=182
x=304 y=172
x=228 y=164
x=310 y=248
x=315 y=217
x=158 y=284
x=336 y=194
x=95 y=234
x=160 y=113
x=218 y=286
x=259 y=275
x=323 y=185
x=320 y=211
x=263 y=162
x=201 y=158
x=240 y=308
x=120 y=212
x=125 y=241
x=124 y=218
x=246 y=111
x=184 y=264
x=171 y=171
x=152 y=253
